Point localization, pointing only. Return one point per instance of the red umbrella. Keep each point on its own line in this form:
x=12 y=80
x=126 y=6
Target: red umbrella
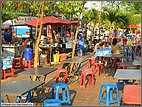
x=132 y=26
x=51 y=21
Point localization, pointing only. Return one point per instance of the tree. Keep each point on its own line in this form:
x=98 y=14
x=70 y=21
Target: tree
x=70 y=8
x=88 y=16
x=116 y=16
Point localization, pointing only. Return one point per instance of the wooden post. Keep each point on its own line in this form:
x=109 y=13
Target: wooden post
x=73 y=51
x=37 y=22
x=38 y=39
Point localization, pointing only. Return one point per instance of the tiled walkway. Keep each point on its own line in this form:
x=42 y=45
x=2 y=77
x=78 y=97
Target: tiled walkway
x=80 y=96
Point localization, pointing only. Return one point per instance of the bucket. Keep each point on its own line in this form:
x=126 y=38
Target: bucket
x=63 y=57
x=56 y=58
x=28 y=53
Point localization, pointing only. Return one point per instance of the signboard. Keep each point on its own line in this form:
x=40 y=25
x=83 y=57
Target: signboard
x=22 y=19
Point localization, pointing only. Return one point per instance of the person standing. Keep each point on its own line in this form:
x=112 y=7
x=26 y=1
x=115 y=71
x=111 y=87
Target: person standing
x=88 y=34
x=67 y=36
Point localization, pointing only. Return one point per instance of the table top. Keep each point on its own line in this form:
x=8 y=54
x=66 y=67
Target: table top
x=137 y=62
x=76 y=60
x=128 y=74
x=39 y=71
x=19 y=87
x=114 y=55
x=132 y=94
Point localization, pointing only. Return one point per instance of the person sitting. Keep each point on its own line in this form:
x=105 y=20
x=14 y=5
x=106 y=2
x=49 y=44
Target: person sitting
x=108 y=45
x=97 y=46
x=116 y=48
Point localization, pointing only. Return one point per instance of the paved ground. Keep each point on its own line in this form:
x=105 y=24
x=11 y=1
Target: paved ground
x=80 y=96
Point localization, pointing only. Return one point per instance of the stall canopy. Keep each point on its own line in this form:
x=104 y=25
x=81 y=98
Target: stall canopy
x=51 y=21
x=132 y=26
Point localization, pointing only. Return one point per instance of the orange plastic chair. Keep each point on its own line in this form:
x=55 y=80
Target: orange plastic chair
x=132 y=94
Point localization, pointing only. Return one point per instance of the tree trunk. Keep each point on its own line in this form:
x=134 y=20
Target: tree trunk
x=85 y=32
x=37 y=22
x=38 y=40
x=71 y=39
x=100 y=17
x=110 y=32
x=73 y=51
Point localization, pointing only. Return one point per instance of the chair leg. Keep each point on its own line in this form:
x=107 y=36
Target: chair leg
x=12 y=72
x=104 y=69
x=90 y=79
x=66 y=77
x=81 y=81
x=57 y=76
x=84 y=80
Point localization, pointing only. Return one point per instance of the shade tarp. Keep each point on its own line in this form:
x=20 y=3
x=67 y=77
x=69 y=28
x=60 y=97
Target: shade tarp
x=132 y=26
x=51 y=21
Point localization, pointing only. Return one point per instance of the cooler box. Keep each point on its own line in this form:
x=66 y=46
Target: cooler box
x=56 y=58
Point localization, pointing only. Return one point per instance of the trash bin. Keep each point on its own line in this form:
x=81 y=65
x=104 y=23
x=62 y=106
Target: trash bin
x=28 y=53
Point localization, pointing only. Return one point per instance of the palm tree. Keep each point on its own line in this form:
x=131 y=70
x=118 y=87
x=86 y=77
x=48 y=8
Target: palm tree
x=116 y=16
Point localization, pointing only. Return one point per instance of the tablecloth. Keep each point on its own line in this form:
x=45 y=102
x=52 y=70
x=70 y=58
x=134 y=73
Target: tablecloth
x=103 y=52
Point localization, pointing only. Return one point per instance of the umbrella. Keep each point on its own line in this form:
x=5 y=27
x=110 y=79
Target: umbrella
x=51 y=21
x=132 y=26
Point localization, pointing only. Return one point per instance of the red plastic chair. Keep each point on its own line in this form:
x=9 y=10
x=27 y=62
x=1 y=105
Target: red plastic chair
x=121 y=65
x=89 y=62
x=29 y=64
x=20 y=65
x=58 y=72
x=98 y=65
x=87 y=71
x=10 y=72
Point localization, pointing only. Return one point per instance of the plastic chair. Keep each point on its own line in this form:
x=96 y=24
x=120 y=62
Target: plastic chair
x=63 y=86
x=20 y=65
x=2 y=101
x=89 y=62
x=58 y=72
x=87 y=71
x=109 y=99
x=51 y=102
x=7 y=66
x=27 y=96
x=29 y=64
x=132 y=56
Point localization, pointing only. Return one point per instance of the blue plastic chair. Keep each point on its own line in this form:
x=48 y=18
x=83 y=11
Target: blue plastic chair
x=109 y=99
x=28 y=97
x=2 y=101
x=132 y=56
x=51 y=102
x=63 y=86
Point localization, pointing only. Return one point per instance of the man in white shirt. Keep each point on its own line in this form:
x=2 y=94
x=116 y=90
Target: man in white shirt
x=88 y=34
